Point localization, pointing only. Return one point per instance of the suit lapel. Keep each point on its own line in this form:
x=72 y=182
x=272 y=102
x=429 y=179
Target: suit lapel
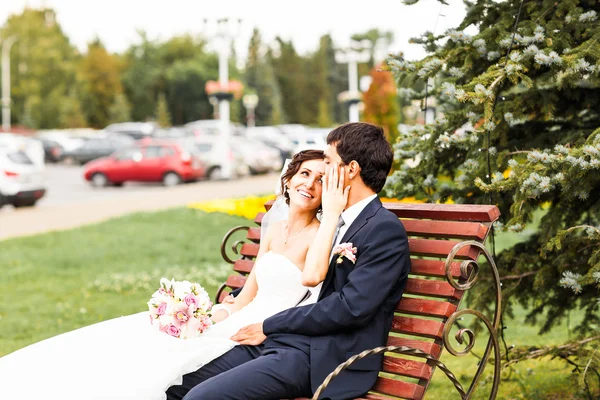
x=358 y=223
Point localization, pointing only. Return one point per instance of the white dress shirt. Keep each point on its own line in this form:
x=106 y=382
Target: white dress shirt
x=349 y=215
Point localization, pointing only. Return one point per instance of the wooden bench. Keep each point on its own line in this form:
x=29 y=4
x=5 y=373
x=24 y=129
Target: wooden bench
x=445 y=243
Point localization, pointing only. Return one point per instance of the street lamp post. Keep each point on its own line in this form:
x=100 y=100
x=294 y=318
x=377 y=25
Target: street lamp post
x=6 y=45
x=250 y=102
x=357 y=52
x=225 y=32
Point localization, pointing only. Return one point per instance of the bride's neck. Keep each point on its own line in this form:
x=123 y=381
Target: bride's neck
x=300 y=218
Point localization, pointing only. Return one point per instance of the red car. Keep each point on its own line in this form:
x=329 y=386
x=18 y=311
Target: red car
x=148 y=161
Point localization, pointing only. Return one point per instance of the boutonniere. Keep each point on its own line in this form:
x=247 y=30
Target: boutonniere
x=345 y=250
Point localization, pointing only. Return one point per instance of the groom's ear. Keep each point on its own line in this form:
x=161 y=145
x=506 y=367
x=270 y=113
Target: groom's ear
x=353 y=169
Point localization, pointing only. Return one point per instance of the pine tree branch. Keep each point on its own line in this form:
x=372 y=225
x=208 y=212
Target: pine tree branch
x=545 y=12
x=514 y=277
x=541 y=352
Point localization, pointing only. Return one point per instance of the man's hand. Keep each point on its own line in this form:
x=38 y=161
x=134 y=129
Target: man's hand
x=251 y=335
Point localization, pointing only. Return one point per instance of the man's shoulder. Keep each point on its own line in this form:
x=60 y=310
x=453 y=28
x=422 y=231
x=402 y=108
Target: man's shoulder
x=385 y=220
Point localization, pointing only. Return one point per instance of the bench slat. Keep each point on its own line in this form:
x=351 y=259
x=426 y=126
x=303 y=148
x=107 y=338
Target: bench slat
x=259 y=217
x=425 y=307
x=235 y=281
x=423 y=267
x=433 y=288
x=445 y=229
x=440 y=248
x=406 y=390
x=404 y=367
x=421 y=247
x=249 y=250
x=253 y=235
x=418 y=327
x=243 y=266
x=446 y=212
x=428 y=347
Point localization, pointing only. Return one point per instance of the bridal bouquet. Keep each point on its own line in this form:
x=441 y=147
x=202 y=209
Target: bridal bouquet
x=180 y=309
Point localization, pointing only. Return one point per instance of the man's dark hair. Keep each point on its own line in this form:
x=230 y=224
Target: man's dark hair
x=366 y=144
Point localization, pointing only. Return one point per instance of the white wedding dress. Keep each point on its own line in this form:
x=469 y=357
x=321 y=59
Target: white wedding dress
x=126 y=358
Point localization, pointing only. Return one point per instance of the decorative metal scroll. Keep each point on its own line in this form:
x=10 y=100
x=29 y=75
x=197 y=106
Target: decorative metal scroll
x=235 y=247
x=469 y=272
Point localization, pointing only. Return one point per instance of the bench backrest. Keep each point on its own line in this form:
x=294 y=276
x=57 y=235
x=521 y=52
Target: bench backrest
x=431 y=297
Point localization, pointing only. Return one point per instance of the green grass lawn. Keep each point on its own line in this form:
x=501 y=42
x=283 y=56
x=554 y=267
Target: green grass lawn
x=57 y=282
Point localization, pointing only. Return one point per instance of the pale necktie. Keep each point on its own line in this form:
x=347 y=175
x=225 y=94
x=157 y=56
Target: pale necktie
x=337 y=231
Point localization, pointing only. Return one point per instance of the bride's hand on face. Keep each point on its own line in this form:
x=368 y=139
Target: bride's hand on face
x=335 y=194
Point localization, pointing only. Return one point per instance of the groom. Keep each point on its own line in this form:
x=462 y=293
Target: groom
x=290 y=354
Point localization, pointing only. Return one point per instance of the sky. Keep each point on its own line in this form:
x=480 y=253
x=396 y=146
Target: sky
x=116 y=22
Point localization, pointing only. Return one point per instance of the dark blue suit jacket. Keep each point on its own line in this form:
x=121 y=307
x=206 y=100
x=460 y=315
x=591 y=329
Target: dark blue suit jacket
x=355 y=307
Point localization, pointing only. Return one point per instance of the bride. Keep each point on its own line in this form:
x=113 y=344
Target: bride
x=125 y=358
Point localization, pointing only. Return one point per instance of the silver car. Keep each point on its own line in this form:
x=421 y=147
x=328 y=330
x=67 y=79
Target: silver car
x=21 y=180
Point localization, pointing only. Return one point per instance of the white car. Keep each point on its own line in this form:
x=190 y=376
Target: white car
x=21 y=180
x=33 y=148
x=259 y=157
x=213 y=151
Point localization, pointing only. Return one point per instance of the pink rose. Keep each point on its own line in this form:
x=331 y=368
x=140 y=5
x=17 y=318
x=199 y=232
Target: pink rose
x=162 y=307
x=190 y=300
x=172 y=330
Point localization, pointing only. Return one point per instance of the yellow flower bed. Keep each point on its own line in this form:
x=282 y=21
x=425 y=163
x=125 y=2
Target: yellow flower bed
x=248 y=207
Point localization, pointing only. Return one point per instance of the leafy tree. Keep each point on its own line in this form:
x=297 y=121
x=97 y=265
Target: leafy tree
x=42 y=67
x=141 y=77
x=120 y=110
x=72 y=116
x=521 y=129
x=381 y=103
x=289 y=72
x=99 y=73
x=163 y=118
x=260 y=77
x=185 y=88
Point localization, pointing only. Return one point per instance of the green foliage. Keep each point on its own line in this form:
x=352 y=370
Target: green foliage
x=71 y=114
x=43 y=65
x=260 y=77
x=141 y=77
x=120 y=110
x=521 y=130
x=100 y=77
x=163 y=118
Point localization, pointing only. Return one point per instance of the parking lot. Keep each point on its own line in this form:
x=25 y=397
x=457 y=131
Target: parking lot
x=70 y=201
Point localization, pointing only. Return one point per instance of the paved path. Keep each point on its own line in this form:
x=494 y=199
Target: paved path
x=30 y=221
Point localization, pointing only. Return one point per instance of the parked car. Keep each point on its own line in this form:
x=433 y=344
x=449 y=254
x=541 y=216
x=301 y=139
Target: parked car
x=259 y=157
x=307 y=140
x=32 y=147
x=65 y=140
x=211 y=127
x=274 y=138
x=150 y=161
x=214 y=152
x=136 y=130
x=53 y=151
x=21 y=181
x=94 y=148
